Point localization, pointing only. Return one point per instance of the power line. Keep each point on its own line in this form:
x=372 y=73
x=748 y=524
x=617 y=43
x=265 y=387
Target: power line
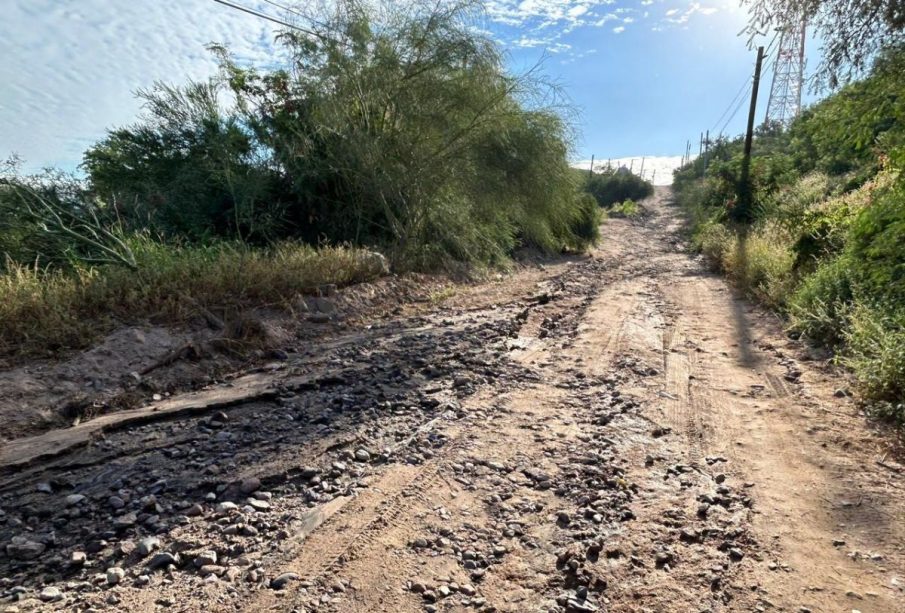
x=745 y=84
x=738 y=107
x=245 y=9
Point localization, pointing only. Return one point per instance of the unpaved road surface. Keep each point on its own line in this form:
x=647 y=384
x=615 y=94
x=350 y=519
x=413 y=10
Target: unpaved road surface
x=613 y=433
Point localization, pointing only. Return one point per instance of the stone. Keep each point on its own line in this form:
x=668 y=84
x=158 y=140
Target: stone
x=51 y=594
x=148 y=545
x=142 y=580
x=125 y=521
x=226 y=507
x=74 y=499
x=280 y=582
x=195 y=510
x=211 y=569
x=115 y=575
x=78 y=558
x=736 y=554
x=23 y=549
x=116 y=502
x=361 y=455
x=126 y=548
x=249 y=485
x=163 y=560
x=258 y=505
x=206 y=558
x=44 y=488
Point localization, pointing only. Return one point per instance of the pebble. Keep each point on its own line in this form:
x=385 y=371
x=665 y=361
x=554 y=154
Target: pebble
x=207 y=558
x=148 y=545
x=280 y=582
x=23 y=549
x=78 y=558
x=51 y=594
x=74 y=499
x=362 y=455
x=226 y=506
x=162 y=560
x=115 y=575
x=249 y=485
x=125 y=521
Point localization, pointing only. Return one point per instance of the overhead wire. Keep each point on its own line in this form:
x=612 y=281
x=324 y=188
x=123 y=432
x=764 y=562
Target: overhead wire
x=742 y=93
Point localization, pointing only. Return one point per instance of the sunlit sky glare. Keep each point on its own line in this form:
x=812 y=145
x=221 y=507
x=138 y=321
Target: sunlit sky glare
x=641 y=76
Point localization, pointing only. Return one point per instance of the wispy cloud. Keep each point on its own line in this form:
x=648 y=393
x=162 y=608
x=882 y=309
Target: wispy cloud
x=71 y=67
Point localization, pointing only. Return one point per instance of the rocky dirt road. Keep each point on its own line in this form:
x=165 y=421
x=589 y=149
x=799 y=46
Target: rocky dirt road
x=613 y=433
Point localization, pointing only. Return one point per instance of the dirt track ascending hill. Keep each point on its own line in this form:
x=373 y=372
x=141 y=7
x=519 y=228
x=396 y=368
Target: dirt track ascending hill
x=616 y=433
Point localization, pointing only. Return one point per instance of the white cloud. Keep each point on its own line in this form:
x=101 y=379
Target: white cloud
x=71 y=66
x=619 y=29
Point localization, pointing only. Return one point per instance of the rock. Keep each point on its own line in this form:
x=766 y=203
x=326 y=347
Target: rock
x=361 y=455
x=580 y=606
x=126 y=548
x=211 y=569
x=443 y=591
x=22 y=549
x=51 y=594
x=125 y=521
x=736 y=554
x=163 y=560
x=249 y=485
x=44 y=488
x=206 y=558
x=226 y=507
x=116 y=502
x=148 y=545
x=278 y=583
x=258 y=505
x=78 y=558
x=142 y=580
x=115 y=575
x=196 y=510
x=838 y=543
x=74 y=499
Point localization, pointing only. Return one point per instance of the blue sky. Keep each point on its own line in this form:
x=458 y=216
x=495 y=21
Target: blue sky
x=642 y=75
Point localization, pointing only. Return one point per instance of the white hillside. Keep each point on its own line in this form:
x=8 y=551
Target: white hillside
x=658 y=168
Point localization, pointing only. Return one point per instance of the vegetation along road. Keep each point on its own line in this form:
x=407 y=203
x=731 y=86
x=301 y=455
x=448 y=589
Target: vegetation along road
x=611 y=432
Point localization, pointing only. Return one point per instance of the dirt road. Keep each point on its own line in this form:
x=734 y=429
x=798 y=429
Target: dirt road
x=613 y=433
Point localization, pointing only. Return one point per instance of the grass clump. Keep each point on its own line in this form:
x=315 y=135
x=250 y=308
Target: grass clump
x=47 y=310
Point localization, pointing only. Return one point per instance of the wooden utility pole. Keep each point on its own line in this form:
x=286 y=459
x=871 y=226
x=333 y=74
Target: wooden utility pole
x=642 y=168
x=706 y=150
x=742 y=211
x=591 y=169
x=701 y=146
x=654 y=177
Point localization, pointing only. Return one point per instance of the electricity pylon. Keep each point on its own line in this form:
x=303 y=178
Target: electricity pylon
x=788 y=75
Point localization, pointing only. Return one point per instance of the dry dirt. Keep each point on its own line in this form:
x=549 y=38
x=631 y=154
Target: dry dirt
x=612 y=433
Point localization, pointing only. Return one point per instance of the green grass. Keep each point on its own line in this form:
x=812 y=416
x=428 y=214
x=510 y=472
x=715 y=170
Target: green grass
x=626 y=208
x=832 y=263
x=46 y=311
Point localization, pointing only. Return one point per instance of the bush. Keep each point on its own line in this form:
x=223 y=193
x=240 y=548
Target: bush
x=628 y=208
x=612 y=187
x=876 y=353
x=392 y=126
x=820 y=307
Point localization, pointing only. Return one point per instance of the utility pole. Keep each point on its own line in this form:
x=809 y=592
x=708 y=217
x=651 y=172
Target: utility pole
x=743 y=208
x=706 y=150
x=642 y=168
x=591 y=169
x=654 y=177
x=631 y=166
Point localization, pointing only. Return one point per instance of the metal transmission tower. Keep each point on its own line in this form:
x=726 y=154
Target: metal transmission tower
x=788 y=76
